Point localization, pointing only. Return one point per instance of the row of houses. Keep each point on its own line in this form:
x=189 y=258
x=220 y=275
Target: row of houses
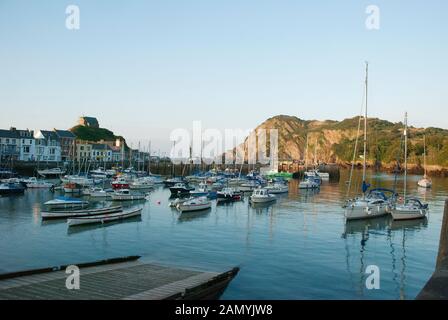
x=60 y=145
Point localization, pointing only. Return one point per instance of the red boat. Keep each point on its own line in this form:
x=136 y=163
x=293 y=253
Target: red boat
x=120 y=184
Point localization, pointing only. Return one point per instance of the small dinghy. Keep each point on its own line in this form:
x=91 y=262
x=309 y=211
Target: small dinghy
x=80 y=213
x=105 y=218
x=63 y=203
x=195 y=204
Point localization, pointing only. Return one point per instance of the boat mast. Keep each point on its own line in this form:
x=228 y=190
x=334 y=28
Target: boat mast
x=365 y=131
x=424 y=154
x=306 y=154
x=405 y=154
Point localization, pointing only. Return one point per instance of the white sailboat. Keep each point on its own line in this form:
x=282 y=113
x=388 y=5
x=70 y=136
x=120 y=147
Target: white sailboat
x=411 y=208
x=425 y=182
x=366 y=206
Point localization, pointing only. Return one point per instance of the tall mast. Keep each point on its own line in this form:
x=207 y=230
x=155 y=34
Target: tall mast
x=424 y=153
x=365 y=132
x=306 y=153
x=405 y=153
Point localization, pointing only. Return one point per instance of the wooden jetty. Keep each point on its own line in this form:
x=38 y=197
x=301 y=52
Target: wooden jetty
x=116 y=279
x=437 y=286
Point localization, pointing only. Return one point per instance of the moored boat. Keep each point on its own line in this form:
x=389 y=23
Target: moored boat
x=105 y=218
x=79 y=213
x=262 y=195
x=55 y=172
x=11 y=189
x=180 y=188
x=33 y=183
x=195 y=204
x=62 y=203
x=120 y=183
x=126 y=195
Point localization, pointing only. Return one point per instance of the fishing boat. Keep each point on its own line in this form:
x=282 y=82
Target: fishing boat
x=411 y=208
x=195 y=204
x=368 y=205
x=180 y=188
x=250 y=186
x=229 y=194
x=201 y=191
x=126 y=195
x=425 y=182
x=72 y=187
x=277 y=188
x=120 y=183
x=105 y=218
x=33 y=183
x=62 y=203
x=262 y=195
x=11 y=189
x=55 y=172
x=79 y=213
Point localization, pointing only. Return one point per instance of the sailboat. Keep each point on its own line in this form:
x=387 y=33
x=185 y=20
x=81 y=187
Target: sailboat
x=425 y=182
x=411 y=208
x=375 y=203
x=312 y=181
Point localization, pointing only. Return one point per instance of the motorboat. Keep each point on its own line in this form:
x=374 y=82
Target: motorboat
x=317 y=173
x=81 y=180
x=126 y=195
x=79 y=213
x=180 y=188
x=309 y=183
x=262 y=195
x=33 y=183
x=195 y=204
x=72 y=187
x=120 y=183
x=277 y=188
x=229 y=194
x=55 y=172
x=63 y=203
x=105 y=218
x=11 y=189
x=201 y=191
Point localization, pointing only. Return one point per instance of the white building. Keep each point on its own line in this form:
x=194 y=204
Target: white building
x=48 y=147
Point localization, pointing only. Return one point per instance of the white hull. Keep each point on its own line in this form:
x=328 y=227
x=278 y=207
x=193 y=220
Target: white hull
x=104 y=218
x=196 y=207
x=262 y=199
x=365 y=212
x=80 y=213
x=424 y=183
x=116 y=197
x=408 y=214
x=39 y=185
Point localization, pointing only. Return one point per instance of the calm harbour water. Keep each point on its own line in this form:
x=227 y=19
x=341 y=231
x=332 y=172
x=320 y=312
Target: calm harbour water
x=297 y=248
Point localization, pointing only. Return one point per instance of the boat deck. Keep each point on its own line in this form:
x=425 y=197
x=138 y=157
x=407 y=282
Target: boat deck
x=116 y=279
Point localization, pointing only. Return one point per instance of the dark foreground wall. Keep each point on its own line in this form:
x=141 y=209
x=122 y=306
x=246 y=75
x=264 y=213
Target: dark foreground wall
x=437 y=286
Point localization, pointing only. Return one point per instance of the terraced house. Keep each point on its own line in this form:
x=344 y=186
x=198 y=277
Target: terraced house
x=48 y=146
x=17 y=145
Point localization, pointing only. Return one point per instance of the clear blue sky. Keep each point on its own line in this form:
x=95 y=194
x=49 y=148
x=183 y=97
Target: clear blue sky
x=146 y=67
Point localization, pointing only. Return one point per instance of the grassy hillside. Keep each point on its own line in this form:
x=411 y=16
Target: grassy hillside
x=94 y=134
x=334 y=141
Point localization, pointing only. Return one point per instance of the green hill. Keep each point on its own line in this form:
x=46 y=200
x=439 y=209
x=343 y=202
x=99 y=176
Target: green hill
x=95 y=134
